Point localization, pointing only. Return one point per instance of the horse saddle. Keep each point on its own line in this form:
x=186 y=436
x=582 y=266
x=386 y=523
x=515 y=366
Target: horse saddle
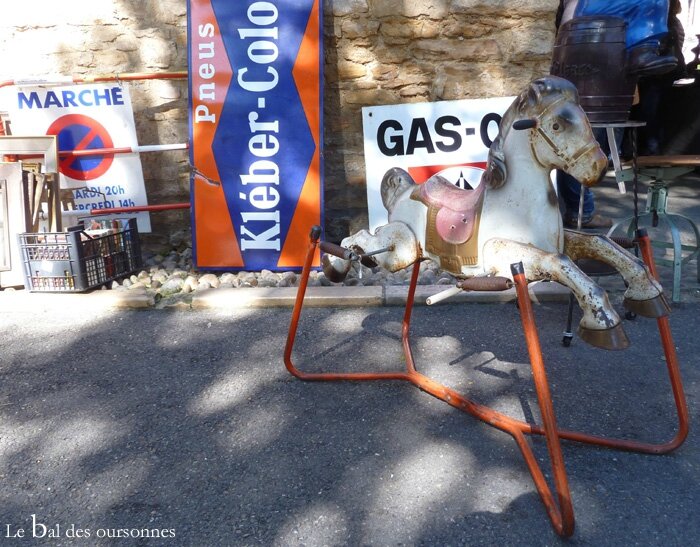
x=456 y=210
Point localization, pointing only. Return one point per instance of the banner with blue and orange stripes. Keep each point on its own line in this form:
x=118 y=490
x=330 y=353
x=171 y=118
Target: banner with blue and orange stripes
x=255 y=131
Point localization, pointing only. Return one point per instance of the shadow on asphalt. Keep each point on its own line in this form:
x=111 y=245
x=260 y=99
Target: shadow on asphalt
x=188 y=421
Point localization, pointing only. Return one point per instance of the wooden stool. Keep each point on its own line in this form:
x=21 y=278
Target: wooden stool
x=660 y=172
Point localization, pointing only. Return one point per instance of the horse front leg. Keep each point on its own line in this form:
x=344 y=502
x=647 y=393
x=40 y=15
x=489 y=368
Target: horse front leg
x=403 y=249
x=600 y=325
x=644 y=295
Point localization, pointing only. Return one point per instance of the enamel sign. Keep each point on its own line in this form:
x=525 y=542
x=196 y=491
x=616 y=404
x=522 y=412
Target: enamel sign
x=450 y=138
x=255 y=131
x=84 y=118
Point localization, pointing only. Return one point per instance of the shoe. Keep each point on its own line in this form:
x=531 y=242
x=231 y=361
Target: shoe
x=596 y=222
x=645 y=60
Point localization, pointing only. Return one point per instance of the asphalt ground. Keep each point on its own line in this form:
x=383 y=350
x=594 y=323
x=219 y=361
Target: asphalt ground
x=183 y=420
x=187 y=421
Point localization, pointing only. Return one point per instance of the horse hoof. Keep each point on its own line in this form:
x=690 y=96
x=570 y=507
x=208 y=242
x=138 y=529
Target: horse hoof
x=333 y=275
x=654 y=307
x=613 y=338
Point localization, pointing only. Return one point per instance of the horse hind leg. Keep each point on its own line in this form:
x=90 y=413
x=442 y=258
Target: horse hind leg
x=404 y=250
x=600 y=325
x=644 y=295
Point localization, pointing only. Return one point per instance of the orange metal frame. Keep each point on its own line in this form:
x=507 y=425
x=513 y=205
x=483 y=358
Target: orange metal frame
x=559 y=507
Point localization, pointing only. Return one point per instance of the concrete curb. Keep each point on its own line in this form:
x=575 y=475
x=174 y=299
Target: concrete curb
x=19 y=301
x=227 y=299
x=286 y=296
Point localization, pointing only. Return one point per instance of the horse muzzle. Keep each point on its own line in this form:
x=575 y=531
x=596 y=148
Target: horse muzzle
x=591 y=167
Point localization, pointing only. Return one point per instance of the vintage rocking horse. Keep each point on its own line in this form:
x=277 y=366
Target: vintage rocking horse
x=509 y=232
x=513 y=215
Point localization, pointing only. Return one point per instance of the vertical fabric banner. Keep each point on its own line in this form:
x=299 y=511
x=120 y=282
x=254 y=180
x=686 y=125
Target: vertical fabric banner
x=255 y=131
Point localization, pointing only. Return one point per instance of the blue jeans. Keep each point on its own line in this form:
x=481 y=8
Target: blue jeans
x=646 y=19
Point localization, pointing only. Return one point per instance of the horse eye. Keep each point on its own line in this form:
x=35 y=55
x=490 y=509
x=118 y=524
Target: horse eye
x=556 y=127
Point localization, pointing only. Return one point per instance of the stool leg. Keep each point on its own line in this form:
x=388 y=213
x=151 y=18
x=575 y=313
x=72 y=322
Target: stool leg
x=694 y=249
x=677 y=255
x=569 y=333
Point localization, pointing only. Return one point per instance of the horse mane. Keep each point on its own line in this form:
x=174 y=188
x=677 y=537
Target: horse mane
x=531 y=103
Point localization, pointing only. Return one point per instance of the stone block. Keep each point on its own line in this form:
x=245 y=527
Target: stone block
x=350 y=52
x=463 y=50
x=348 y=70
x=506 y=7
x=434 y=9
x=341 y=8
x=358 y=28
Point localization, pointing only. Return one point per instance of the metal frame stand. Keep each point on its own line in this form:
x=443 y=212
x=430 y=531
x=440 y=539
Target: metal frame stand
x=558 y=503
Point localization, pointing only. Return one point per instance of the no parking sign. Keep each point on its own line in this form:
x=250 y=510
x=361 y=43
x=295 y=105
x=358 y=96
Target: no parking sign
x=80 y=132
x=86 y=117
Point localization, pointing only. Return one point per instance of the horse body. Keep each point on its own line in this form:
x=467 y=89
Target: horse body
x=522 y=211
x=514 y=216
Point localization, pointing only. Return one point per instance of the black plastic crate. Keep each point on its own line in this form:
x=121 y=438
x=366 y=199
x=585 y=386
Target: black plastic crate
x=78 y=260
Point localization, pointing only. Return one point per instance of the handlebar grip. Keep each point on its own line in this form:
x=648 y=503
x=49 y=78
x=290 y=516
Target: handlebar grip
x=315 y=233
x=624 y=242
x=336 y=250
x=492 y=284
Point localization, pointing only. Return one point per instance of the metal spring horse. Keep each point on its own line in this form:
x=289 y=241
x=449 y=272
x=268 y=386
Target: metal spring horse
x=559 y=508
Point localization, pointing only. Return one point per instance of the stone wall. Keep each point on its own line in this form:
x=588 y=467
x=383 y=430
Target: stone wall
x=40 y=37
x=377 y=52
x=396 y=51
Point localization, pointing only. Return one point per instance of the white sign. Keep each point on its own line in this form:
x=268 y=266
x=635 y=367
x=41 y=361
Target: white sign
x=448 y=137
x=85 y=117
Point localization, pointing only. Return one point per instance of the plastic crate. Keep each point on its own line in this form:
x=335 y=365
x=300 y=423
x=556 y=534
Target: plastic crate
x=78 y=260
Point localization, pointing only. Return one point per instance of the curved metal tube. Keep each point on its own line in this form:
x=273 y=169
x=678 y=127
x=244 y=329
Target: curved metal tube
x=559 y=508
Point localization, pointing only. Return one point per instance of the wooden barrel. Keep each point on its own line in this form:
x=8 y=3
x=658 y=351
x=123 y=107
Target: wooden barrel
x=590 y=52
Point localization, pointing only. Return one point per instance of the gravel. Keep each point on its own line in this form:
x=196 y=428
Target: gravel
x=173 y=275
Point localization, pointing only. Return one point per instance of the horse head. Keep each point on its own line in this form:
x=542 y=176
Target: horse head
x=394 y=183
x=560 y=136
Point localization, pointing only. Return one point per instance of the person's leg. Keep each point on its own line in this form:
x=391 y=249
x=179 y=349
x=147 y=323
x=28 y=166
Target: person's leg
x=650 y=92
x=570 y=191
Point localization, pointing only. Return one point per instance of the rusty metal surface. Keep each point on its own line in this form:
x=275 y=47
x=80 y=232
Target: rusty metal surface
x=485 y=284
x=641 y=285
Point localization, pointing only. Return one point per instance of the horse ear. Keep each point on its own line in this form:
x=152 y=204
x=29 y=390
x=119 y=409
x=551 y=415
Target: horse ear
x=534 y=93
x=496 y=172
